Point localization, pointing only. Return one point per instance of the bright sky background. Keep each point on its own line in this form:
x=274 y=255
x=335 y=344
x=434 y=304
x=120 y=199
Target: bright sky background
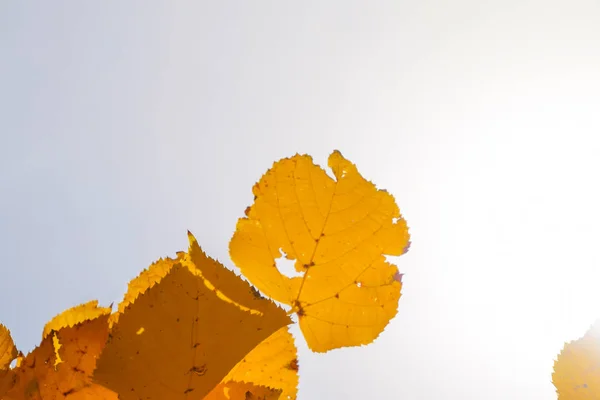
x=123 y=124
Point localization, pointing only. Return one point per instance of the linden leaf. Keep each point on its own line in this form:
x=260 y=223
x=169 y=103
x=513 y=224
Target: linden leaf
x=226 y=284
x=81 y=345
x=7 y=381
x=179 y=337
x=75 y=315
x=273 y=363
x=94 y=392
x=71 y=317
x=238 y=291
x=38 y=378
x=242 y=391
x=144 y=281
x=25 y=379
x=339 y=232
x=576 y=373
x=8 y=351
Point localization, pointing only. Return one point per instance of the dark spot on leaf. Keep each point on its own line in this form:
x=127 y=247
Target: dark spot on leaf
x=255 y=293
x=198 y=370
x=298 y=306
x=293 y=365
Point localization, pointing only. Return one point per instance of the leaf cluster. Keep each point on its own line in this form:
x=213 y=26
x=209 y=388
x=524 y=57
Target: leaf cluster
x=189 y=328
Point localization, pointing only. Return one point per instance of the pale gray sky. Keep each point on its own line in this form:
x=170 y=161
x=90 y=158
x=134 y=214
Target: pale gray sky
x=123 y=124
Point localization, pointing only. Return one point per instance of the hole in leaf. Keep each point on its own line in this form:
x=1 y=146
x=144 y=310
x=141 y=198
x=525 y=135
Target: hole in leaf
x=287 y=268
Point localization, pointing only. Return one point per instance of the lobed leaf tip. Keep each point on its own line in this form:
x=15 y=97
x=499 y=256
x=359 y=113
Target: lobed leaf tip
x=191 y=236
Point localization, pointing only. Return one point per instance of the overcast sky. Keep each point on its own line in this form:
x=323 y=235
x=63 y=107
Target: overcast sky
x=123 y=124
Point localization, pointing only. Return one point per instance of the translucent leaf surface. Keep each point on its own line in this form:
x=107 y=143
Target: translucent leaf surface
x=338 y=231
x=39 y=376
x=75 y=315
x=273 y=363
x=179 y=337
x=577 y=368
x=8 y=351
x=242 y=391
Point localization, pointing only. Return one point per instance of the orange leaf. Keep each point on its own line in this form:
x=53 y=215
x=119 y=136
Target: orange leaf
x=38 y=378
x=75 y=315
x=242 y=391
x=144 y=281
x=339 y=232
x=226 y=284
x=576 y=373
x=273 y=364
x=8 y=351
x=181 y=336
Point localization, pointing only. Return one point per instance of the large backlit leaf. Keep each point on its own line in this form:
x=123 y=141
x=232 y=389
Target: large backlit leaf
x=338 y=231
x=179 y=337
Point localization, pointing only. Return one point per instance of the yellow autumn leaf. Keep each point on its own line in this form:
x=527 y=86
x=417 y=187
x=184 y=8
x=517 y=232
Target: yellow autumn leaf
x=8 y=351
x=225 y=283
x=242 y=391
x=273 y=363
x=179 y=337
x=80 y=348
x=576 y=373
x=38 y=376
x=74 y=316
x=144 y=281
x=235 y=291
x=71 y=317
x=7 y=381
x=23 y=382
x=339 y=232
